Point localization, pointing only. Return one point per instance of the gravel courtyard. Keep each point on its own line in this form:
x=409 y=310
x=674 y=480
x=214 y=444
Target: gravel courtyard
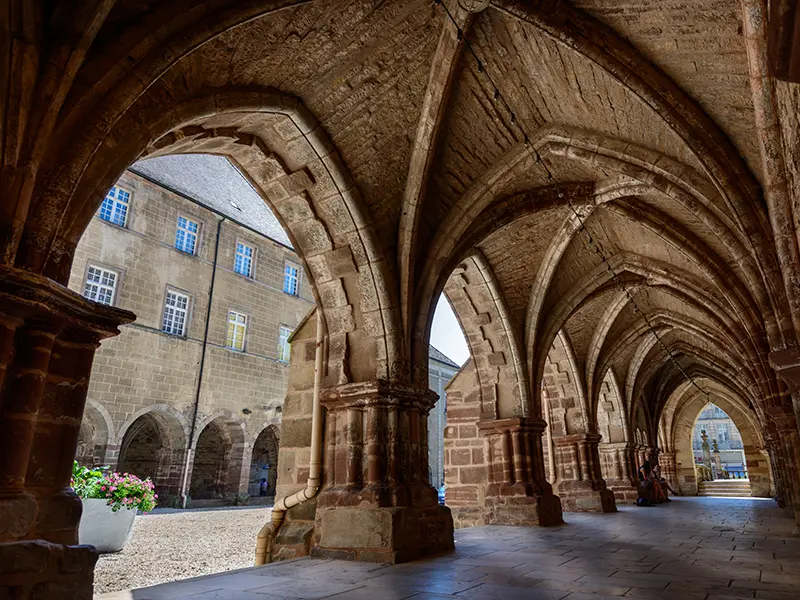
x=167 y=545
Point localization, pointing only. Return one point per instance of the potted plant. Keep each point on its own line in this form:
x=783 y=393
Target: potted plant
x=110 y=501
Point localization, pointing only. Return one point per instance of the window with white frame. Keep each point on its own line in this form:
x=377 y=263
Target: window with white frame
x=186 y=235
x=243 y=264
x=291 y=279
x=101 y=284
x=284 y=347
x=237 y=329
x=114 y=208
x=176 y=313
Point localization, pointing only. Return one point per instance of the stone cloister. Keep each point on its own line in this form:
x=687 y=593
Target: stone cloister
x=607 y=193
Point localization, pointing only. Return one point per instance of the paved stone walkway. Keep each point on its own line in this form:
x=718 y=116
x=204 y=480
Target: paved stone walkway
x=691 y=549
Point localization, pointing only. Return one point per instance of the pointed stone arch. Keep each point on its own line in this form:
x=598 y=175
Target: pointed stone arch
x=217 y=469
x=679 y=417
x=286 y=154
x=264 y=459
x=153 y=444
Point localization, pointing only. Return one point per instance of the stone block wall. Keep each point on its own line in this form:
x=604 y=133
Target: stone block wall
x=295 y=535
x=466 y=458
x=39 y=569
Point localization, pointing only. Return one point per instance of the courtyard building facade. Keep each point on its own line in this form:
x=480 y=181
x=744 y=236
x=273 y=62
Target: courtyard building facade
x=607 y=193
x=190 y=394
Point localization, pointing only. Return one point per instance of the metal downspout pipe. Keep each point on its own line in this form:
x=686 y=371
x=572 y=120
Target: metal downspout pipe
x=190 y=448
x=270 y=529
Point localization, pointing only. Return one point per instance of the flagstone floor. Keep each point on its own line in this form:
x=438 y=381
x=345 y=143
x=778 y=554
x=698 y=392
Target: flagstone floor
x=691 y=549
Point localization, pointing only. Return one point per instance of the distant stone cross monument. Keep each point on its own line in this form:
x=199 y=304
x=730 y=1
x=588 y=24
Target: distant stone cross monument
x=717 y=467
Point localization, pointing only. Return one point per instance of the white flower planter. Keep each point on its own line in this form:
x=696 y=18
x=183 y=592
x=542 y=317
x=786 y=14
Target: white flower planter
x=105 y=530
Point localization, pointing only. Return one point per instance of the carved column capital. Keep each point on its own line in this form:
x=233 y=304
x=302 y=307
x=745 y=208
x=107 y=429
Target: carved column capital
x=783 y=419
x=514 y=424
x=578 y=438
x=786 y=364
x=378 y=392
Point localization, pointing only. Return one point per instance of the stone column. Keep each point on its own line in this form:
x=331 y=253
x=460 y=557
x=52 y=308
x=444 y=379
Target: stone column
x=641 y=455
x=48 y=337
x=377 y=504
x=775 y=454
x=669 y=468
x=786 y=364
x=619 y=474
x=758 y=471
x=579 y=481
x=518 y=492
x=789 y=440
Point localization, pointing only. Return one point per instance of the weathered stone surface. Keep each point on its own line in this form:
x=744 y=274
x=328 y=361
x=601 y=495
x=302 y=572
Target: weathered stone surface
x=611 y=185
x=388 y=535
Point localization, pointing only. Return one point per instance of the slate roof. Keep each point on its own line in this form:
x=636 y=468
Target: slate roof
x=441 y=357
x=215 y=183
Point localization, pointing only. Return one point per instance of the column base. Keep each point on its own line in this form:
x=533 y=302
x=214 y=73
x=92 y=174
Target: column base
x=513 y=506
x=588 y=500
x=386 y=535
x=38 y=569
x=623 y=491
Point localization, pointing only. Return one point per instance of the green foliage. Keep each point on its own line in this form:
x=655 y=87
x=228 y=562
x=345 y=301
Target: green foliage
x=122 y=490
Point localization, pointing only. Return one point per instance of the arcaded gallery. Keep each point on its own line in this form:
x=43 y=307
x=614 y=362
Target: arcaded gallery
x=607 y=194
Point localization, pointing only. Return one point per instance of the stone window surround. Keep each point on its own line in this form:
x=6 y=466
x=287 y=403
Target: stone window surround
x=253 y=258
x=99 y=264
x=288 y=263
x=284 y=347
x=245 y=334
x=199 y=234
x=189 y=309
x=129 y=206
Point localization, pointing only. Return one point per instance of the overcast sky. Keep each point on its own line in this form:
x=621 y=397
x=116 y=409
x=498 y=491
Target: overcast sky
x=446 y=334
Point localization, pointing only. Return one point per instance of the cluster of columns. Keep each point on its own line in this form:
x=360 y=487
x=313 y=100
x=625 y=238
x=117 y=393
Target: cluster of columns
x=782 y=436
x=580 y=483
x=377 y=503
x=48 y=337
x=619 y=467
x=517 y=492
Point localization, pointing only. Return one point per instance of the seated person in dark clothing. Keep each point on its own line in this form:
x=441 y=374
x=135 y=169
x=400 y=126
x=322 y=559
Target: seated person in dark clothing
x=649 y=487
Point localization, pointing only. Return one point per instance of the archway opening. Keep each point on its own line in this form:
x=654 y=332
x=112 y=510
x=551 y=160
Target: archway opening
x=743 y=457
x=448 y=351
x=94 y=436
x=717 y=445
x=264 y=464
x=146 y=452
x=211 y=466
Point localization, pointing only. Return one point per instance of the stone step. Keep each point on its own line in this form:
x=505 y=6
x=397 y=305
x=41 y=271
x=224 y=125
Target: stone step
x=724 y=488
x=727 y=486
x=714 y=484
